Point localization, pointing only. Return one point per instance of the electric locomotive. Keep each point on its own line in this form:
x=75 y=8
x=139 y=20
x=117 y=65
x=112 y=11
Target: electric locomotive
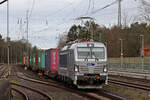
x=83 y=64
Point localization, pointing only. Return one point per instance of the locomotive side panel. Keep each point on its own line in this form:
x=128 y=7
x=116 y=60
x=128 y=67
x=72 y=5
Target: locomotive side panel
x=63 y=63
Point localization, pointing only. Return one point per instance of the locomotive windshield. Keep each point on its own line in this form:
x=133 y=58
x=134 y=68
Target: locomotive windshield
x=91 y=53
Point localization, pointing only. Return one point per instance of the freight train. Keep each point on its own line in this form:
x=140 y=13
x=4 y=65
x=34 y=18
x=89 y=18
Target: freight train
x=83 y=64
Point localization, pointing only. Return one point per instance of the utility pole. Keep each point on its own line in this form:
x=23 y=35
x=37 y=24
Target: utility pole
x=121 y=52
x=20 y=28
x=27 y=30
x=142 y=50
x=119 y=13
x=8 y=32
x=16 y=55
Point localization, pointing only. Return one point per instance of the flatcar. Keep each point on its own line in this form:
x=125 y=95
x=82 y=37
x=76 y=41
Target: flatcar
x=83 y=64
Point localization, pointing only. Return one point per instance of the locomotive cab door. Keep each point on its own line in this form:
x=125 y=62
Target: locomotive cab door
x=71 y=60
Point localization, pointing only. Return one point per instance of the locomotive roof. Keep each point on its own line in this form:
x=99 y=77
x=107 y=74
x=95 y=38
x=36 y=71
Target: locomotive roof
x=82 y=44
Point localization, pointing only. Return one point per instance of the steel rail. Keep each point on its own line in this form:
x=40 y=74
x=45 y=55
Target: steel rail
x=20 y=92
x=81 y=93
x=5 y=70
x=129 y=84
x=32 y=89
x=60 y=87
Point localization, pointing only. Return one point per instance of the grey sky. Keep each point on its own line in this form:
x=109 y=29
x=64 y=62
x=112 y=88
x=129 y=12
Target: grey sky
x=60 y=15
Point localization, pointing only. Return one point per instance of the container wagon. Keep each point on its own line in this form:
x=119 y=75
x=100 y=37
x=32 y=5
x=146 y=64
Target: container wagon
x=31 y=61
x=33 y=65
x=51 y=62
x=41 y=60
x=28 y=61
x=36 y=62
x=24 y=60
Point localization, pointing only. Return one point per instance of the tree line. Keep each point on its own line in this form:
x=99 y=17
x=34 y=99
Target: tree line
x=111 y=37
x=17 y=49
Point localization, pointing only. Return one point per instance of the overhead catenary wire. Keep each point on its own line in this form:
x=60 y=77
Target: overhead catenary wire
x=73 y=12
x=3 y=1
x=65 y=16
x=45 y=29
x=88 y=6
x=42 y=30
x=32 y=8
x=59 y=10
x=93 y=5
x=106 y=6
x=70 y=12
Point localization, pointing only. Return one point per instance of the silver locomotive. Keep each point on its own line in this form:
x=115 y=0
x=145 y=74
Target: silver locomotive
x=84 y=64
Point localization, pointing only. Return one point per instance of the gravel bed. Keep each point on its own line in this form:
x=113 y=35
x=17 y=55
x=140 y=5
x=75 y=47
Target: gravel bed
x=56 y=93
x=17 y=96
x=129 y=79
x=32 y=95
x=129 y=92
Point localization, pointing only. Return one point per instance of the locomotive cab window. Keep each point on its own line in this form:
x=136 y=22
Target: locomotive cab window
x=63 y=60
x=98 y=53
x=83 y=53
x=91 y=53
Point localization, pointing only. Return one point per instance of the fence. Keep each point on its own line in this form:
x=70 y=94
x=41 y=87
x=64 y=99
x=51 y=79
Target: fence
x=134 y=64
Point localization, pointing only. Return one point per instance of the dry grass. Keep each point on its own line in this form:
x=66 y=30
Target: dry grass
x=132 y=94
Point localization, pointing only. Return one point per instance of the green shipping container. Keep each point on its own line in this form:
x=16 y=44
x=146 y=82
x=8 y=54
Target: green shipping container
x=31 y=60
x=41 y=60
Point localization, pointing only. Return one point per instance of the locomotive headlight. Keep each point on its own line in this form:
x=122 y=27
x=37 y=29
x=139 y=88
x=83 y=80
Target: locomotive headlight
x=76 y=68
x=105 y=69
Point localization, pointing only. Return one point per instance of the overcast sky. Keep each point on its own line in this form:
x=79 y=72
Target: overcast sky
x=49 y=18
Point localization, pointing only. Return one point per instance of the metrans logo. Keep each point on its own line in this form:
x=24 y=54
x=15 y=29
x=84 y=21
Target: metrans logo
x=90 y=64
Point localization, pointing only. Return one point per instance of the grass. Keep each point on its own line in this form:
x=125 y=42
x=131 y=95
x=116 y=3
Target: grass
x=61 y=95
x=15 y=81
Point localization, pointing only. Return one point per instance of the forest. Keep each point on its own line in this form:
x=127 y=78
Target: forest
x=111 y=37
x=17 y=49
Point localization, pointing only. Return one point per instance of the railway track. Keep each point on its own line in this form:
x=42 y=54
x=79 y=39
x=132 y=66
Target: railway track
x=26 y=90
x=130 y=84
x=3 y=71
x=29 y=90
x=98 y=95
x=1 y=67
x=54 y=84
x=25 y=97
x=1 y=64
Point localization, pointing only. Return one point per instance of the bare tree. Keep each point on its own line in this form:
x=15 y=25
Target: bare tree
x=128 y=20
x=145 y=9
x=62 y=40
